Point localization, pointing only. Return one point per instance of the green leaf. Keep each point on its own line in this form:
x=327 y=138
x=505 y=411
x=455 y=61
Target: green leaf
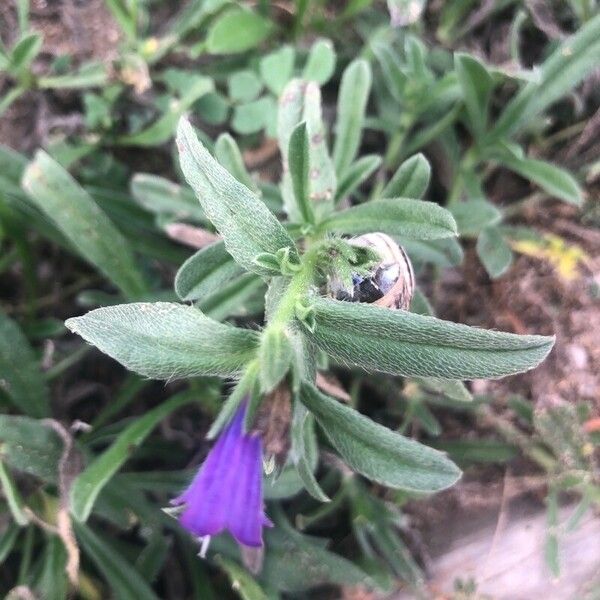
x=246 y=224
x=241 y=581
x=237 y=30
x=240 y=297
x=357 y=173
x=494 y=252
x=163 y=340
x=89 y=483
x=572 y=60
x=377 y=452
x=229 y=155
x=410 y=180
x=303 y=445
x=51 y=584
x=253 y=116
x=26 y=49
x=213 y=108
x=92 y=74
x=13 y=497
x=352 y=103
x=402 y=343
x=301 y=101
x=163 y=129
x=288 y=550
x=472 y=216
x=277 y=68
x=125 y=14
x=320 y=64
x=205 y=272
x=551 y=545
x=469 y=451
x=163 y=197
x=20 y=374
x=444 y=252
x=244 y=86
x=30 y=446
x=395 y=216
x=551 y=178
x=11 y=96
x=79 y=218
x=275 y=357
x=124 y=580
x=393 y=72
x=8 y=539
x=299 y=167
x=477 y=85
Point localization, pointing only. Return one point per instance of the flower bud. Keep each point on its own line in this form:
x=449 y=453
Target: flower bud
x=273 y=424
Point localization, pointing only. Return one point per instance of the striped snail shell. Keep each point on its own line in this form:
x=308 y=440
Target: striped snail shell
x=391 y=282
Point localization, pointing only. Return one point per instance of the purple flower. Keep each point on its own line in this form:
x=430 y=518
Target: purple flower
x=227 y=490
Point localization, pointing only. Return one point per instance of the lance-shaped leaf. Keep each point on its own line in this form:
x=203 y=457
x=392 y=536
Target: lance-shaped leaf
x=275 y=356
x=163 y=340
x=298 y=163
x=494 y=252
x=358 y=172
x=320 y=64
x=206 y=272
x=80 y=219
x=289 y=549
x=572 y=60
x=162 y=130
x=248 y=228
x=303 y=447
x=474 y=215
x=89 y=483
x=403 y=217
x=410 y=180
x=124 y=580
x=377 y=452
x=352 y=103
x=551 y=178
x=403 y=343
x=229 y=155
x=165 y=198
x=301 y=101
x=20 y=375
x=476 y=84
x=276 y=68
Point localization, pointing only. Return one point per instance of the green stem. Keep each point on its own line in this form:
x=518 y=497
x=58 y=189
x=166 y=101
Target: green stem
x=298 y=287
x=397 y=142
x=468 y=163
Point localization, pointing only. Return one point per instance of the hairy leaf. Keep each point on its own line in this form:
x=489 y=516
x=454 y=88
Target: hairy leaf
x=246 y=224
x=163 y=340
x=80 y=219
x=378 y=452
x=395 y=216
x=403 y=343
x=20 y=375
x=410 y=180
x=352 y=103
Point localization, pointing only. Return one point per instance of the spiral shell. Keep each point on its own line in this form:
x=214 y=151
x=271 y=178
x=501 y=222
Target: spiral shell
x=391 y=282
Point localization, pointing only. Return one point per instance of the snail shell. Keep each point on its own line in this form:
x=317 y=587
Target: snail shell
x=391 y=282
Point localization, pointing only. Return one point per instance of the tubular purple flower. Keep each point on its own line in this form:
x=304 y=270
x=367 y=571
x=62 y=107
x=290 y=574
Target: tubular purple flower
x=226 y=493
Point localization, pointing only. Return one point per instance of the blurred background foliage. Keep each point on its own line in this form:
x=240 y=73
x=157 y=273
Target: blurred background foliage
x=490 y=109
